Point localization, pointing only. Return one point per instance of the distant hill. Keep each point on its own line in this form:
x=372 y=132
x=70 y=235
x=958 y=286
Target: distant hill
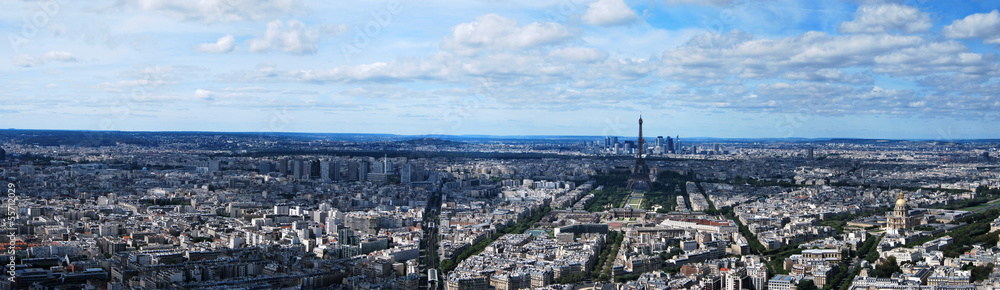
x=430 y=142
x=205 y=138
x=84 y=138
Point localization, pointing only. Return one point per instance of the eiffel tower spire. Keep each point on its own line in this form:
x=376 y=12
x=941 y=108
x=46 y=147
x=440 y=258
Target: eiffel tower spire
x=639 y=181
x=641 y=141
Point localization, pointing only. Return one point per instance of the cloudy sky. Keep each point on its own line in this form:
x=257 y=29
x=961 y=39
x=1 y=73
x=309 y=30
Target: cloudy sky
x=698 y=68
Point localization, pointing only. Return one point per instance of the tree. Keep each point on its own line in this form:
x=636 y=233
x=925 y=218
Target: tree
x=980 y=273
x=872 y=256
x=838 y=277
x=806 y=285
x=885 y=270
x=447 y=265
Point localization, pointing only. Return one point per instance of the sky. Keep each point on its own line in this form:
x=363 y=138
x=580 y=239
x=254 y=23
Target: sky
x=696 y=68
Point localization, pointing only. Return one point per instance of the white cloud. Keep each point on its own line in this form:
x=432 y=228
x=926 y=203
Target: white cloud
x=825 y=99
x=125 y=85
x=829 y=75
x=151 y=70
x=291 y=37
x=609 y=12
x=333 y=29
x=979 y=25
x=199 y=95
x=628 y=68
x=221 y=10
x=579 y=54
x=494 y=32
x=814 y=72
x=147 y=79
x=712 y=59
x=202 y=94
x=885 y=18
x=811 y=98
x=801 y=92
x=971 y=84
x=225 y=44
x=700 y=2
x=712 y=64
x=59 y=56
x=27 y=60
x=949 y=56
x=511 y=66
x=383 y=92
x=393 y=71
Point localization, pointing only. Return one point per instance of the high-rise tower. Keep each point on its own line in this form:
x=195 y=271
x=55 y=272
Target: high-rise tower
x=639 y=181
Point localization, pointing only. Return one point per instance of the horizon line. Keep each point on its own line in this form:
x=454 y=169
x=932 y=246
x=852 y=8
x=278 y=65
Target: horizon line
x=502 y=136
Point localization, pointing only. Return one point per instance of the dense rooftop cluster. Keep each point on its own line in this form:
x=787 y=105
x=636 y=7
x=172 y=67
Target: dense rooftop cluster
x=232 y=211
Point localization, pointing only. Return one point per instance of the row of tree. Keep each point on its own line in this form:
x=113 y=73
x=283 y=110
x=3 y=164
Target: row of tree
x=602 y=271
x=518 y=228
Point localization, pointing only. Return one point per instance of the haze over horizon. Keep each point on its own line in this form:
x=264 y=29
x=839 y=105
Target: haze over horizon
x=723 y=69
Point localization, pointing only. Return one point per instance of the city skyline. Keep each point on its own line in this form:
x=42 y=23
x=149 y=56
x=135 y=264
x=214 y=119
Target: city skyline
x=724 y=69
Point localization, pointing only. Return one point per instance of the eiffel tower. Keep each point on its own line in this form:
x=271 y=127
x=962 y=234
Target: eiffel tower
x=639 y=181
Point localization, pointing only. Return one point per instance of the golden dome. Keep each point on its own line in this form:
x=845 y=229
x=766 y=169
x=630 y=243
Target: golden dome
x=900 y=202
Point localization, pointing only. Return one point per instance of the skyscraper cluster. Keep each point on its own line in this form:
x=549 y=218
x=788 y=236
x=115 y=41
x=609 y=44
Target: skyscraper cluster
x=658 y=146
